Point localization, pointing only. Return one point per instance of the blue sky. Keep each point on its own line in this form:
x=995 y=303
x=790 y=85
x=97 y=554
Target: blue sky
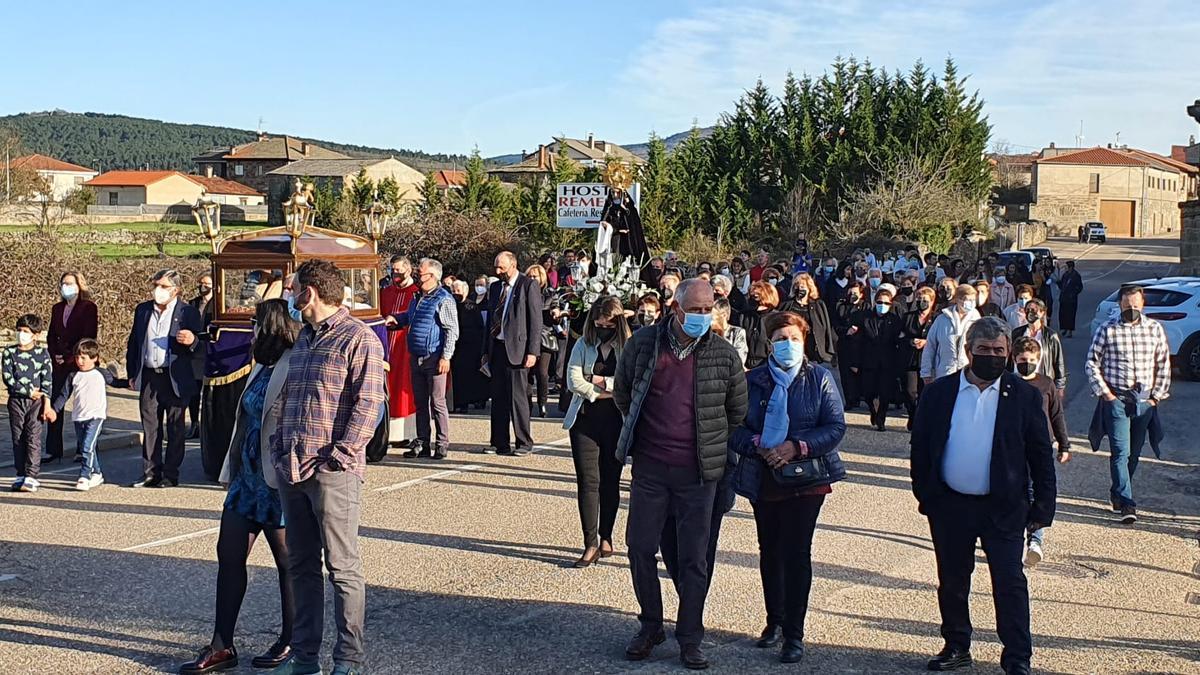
x=445 y=77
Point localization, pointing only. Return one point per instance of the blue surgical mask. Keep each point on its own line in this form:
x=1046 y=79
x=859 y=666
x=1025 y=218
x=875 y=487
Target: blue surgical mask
x=294 y=311
x=1021 y=302
x=696 y=325
x=787 y=354
x=875 y=281
x=881 y=308
x=1000 y=279
x=829 y=269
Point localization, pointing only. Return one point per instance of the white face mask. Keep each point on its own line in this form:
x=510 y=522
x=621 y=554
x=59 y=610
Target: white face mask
x=24 y=339
x=480 y=290
x=968 y=305
x=69 y=291
x=162 y=295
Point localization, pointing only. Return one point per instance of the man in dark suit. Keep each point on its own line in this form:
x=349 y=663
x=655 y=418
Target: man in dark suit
x=159 y=360
x=203 y=304
x=514 y=341
x=979 y=440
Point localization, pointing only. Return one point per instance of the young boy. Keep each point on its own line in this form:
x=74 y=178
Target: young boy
x=26 y=368
x=1027 y=353
x=85 y=389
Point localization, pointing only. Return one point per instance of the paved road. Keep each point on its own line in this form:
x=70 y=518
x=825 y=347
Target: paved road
x=466 y=561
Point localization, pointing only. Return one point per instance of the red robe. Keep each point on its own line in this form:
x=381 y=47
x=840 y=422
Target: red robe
x=395 y=300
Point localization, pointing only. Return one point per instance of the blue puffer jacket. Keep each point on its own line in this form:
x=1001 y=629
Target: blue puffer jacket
x=815 y=416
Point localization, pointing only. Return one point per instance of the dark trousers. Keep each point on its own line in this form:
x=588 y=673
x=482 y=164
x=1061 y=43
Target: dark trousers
x=851 y=389
x=956 y=522
x=194 y=404
x=656 y=491
x=510 y=400
x=594 y=439
x=785 y=533
x=1067 y=309
x=429 y=394
x=723 y=500
x=161 y=410
x=234 y=543
x=911 y=386
x=54 y=430
x=541 y=376
x=322 y=517
x=26 y=435
x=877 y=387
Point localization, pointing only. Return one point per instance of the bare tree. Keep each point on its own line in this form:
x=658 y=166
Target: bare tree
x=910 y=195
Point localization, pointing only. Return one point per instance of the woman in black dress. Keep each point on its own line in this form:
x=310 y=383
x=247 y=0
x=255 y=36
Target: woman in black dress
x=541 y=373
x=917 y=321
x=821 y=343
x=470 y=386
x=852 y=301
x=762 y=301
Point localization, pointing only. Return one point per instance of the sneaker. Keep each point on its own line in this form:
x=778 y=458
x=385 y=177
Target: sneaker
x=1128 y=515
x=16 y=484
x=96 y=480
x=1116 y=505
x=30 y=485
x=1033 y=554
x=83 y=485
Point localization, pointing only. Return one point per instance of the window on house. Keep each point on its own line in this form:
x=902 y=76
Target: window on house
x=243 y=201
x=79 y=180
x=1094 y=183
x=239 y=170
x=112 y=199
x=258 y=170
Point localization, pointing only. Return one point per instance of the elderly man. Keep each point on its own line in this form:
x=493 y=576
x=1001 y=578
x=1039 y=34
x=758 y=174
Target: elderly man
x=203 y=304
x=159 y=359
x=979 y=440
x=331 y=404
x=681 y=390
x=515 y=342
x=395 y=299
x=432 y=323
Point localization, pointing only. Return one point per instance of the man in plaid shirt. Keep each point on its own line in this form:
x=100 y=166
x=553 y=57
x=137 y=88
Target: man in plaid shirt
x=1129 y=368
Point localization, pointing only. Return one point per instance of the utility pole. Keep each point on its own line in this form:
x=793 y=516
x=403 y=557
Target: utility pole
x=7 y=176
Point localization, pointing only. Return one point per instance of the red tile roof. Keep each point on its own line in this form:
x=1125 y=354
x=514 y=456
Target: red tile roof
x=446 y=178
x=216 y=185
x=1096 y=157
x=1161 y=162
x=36 y=162
x=130 y=178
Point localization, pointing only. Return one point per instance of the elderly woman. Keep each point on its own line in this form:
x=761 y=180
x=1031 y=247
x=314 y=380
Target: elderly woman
x=795 y=415
x=595 y=425
x=733 y=334
x=879 y=333
x=760 y=302
x=252 y=506
x=944 y=353
x=806 y=301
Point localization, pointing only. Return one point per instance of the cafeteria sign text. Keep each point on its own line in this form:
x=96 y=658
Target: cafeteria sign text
x=579 y=205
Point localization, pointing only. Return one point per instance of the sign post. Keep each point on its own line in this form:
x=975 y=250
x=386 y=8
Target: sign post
x=579 y=205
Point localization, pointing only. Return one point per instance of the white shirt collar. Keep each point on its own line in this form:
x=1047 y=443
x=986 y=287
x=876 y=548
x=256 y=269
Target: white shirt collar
x=963 y=382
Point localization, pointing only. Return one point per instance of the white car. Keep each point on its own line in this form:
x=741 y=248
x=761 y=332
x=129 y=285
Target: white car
x=1175 y=303
x=1095 y=231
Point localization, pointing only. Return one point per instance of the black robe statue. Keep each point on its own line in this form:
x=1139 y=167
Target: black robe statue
x=628 y=241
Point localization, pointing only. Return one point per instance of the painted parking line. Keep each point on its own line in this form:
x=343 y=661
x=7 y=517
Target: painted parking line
x=171 y=540
x=563 y=442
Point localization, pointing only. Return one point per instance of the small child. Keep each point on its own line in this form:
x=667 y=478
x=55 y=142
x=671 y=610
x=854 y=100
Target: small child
x=85 y=389
x=1027 y=353
x=26 y=368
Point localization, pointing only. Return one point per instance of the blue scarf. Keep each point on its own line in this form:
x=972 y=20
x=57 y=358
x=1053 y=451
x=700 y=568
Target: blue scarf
x=776 y=423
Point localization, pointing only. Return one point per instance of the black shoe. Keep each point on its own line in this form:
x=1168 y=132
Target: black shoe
x=541 y=411
x=193 y=432
x=146 y=483
x=168 y=483
x=1128 y=515
x=211 y=661
x=951 y=659
x=793 y=651
x=692 y=658
x=1018 y=669
x=273 y=657
x=770 y=637
x=521 y=451
x=1116 y=505
x=425 y=452
x=50 y=459
x=506 y=452
x=492 y=450
x=440 y=451
x=414 y=450
x=643 y=644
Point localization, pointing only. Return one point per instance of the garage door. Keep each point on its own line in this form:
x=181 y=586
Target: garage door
x=1117 y=216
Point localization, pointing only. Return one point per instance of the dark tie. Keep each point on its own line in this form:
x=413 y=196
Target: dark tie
x=498 y=314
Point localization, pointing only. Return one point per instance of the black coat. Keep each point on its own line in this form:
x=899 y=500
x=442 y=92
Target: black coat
x=182 y=368
x=910 y=356
x=470 y=385
x=719 y=396
x=628 y=238
x=821 y=344
x=1053 y=363
x=758 y=343
x=1021 y=452
x=879 y=337
x=522 y=326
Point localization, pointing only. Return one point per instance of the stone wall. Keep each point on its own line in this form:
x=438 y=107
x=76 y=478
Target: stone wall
x=1189 y=239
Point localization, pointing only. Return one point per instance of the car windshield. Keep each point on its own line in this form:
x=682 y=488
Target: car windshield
x=1157 y=297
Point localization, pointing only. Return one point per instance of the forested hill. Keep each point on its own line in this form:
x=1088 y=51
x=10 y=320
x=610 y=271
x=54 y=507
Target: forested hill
x=118 y=142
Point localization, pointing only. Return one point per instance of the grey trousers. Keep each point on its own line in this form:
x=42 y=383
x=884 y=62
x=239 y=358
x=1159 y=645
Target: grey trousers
x=321 y=515
x=429 y=393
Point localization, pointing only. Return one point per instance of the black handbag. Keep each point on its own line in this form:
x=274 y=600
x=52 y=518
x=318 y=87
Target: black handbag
x=801 y=474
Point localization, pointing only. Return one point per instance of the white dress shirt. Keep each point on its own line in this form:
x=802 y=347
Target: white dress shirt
x=158 y=340
x=967 y=460
x=512 y=288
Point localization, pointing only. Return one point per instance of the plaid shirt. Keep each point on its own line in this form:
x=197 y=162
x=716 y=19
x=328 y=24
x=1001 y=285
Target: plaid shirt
x=1130 y=357
x=332 y=400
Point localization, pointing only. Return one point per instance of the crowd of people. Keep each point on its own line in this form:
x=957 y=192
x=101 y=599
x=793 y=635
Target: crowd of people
x=720 y=379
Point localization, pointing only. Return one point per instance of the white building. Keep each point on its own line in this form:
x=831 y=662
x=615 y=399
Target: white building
x=63 y=177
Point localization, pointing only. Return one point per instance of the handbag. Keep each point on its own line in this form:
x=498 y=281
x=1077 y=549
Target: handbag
x=801 y=474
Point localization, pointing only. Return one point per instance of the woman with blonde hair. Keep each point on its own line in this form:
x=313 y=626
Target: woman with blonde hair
x=762 y=301
x=549 y=347
x=806 y=301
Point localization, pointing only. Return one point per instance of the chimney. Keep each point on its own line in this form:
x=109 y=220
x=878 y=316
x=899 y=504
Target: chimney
x=1051 y=145
x=542 y=157
x=208 y=170
x=591 y=141
x=1192 y=139
x=262 y=136
x=304 y=148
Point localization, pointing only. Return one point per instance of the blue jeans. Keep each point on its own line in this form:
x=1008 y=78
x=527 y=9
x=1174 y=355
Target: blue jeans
x=1126 y=425
x=87 y=433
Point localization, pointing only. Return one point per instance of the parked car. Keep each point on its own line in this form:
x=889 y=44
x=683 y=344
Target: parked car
x=1095 y=231
x=1022 y=258
x=1040 y=252
x=1175 y=303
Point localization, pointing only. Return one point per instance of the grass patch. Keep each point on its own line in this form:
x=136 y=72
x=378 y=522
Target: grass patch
x=231 y=228
x=123 y=251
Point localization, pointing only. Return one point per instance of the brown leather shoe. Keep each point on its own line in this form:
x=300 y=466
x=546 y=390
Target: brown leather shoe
x=643 y=644
x=606 y=548
x=273 y=657
x=588 y=558
x=211 y=661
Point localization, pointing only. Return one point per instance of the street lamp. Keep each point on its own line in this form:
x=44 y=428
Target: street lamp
x=375 y=220
x=207 y=214
x=298 y=212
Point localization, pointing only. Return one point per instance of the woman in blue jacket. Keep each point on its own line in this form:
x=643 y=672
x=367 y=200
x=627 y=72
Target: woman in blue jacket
x=795 y=412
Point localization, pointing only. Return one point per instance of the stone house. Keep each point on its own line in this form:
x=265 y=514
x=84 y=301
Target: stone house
x=138 y=188
x=340 y=173
x=62 y=177
x=250 y=163
x=588 y=153
x=1133 y=192
x=228 y=192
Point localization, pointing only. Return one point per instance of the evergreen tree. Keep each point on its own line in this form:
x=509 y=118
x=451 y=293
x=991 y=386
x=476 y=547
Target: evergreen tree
x=362 y=190
x=433 y=199
x=480 y=191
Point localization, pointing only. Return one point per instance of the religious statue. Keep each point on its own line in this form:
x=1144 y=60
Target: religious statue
x=621 y=214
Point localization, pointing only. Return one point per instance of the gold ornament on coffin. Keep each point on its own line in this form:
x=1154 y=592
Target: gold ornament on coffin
x=617 y=175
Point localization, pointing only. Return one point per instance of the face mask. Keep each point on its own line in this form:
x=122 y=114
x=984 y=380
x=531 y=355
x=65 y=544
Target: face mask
x=667 y=293
x=204 y=290
x=787 y=354
x=1021 y=302
x=69 y=291
x=1000 y=279
x=923 y=304
x=725 y=271
x=696 y=325
x=801 y=293
x=943 y=295
x=828 y=269
x=987 y=367
x=293 y=310
x=480 y=290
x=968 y=305
x=755 y=299
x=906 y=291
x=1032 y=317
x=162 y=295
x=1026 y=369
x=854 y=299
x=646 y=318
x=875 y=281
x=881 y=308
x=24 y=339
x=773 y=281
x=605 y=334
x=1130 y=315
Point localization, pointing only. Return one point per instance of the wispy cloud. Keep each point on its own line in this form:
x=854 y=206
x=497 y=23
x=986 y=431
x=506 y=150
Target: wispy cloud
x=1119 y=66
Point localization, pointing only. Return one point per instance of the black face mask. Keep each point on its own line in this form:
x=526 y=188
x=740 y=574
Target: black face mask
x=987 y=367
x=943 y=295
x=605 y=334
x=667 y=293
x=923 y=304
x=906 y=291
x=801 y=293
x=645 y=318
x=1130 y=315
x=1032 y=317
x=755 y=299
x=1026 y=369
